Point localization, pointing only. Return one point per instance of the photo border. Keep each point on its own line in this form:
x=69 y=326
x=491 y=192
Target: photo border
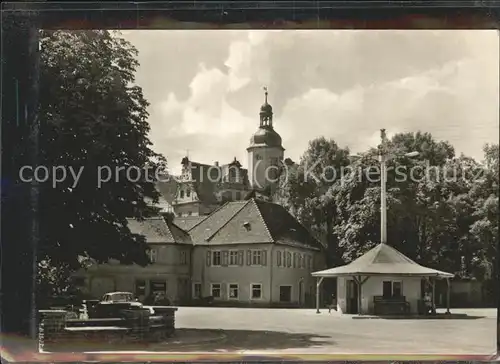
x=19 y=233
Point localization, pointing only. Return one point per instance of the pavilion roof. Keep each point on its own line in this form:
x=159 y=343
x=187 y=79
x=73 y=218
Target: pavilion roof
x=382 y=260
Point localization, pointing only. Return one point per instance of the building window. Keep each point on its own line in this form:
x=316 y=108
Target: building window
x=397 y=290
x=295 y=260
x=188 y=193
x=183 y=258
x=279 y=259
x=288 y=259
x=256 y=257
x=233 y=257
x=256 y=291
x=158 y=287
x=391 y=289
x=182 y=194
x=197 y=290
x=216 y=258
x=237 y=195
x=233 y=291
x=153 y=255
x=216 y=290
x=301 y=261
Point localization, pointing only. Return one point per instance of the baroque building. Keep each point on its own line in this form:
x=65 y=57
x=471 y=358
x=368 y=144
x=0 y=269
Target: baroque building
x=226 y=240
x=201 y=188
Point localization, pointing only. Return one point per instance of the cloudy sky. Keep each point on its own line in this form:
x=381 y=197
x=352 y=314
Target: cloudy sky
x=205 y=87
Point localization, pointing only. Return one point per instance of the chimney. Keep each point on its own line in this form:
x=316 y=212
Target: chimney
x=216 y=163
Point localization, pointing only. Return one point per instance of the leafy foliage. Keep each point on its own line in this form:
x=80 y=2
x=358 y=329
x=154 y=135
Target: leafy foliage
x=94 y=119
x=304 y=190
x=442 y=209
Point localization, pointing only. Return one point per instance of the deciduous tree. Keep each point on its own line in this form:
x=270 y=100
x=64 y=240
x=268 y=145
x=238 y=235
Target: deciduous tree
x=94 y=120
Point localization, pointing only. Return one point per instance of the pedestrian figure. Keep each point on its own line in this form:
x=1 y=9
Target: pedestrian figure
x=333 y=304
x=429 y=306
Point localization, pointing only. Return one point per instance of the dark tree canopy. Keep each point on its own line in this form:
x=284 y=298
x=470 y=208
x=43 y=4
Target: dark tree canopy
x=442 y=209
x=93 y=116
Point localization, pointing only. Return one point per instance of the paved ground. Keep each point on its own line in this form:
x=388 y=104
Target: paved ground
x=302 y=330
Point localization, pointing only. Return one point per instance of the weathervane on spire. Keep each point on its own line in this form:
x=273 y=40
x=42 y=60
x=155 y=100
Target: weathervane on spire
x=265 y=92
x=383 y=135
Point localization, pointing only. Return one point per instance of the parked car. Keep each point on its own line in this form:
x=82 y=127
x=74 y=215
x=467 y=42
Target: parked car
x=113 y=303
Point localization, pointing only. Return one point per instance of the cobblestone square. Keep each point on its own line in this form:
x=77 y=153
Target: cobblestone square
x=304 y=331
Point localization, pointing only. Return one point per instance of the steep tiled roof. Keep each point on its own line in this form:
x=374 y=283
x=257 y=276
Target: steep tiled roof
x=383 y=260
x=283 y=227
x=162 y=204
x=158 y=230
x=188 y=222
x=215 y=221
x=204 y=181
x=252 y=221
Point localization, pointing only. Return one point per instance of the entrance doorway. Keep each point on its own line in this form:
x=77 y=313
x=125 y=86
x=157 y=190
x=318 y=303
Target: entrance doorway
x=285 y=293
x=197 y=290
x=351 y=297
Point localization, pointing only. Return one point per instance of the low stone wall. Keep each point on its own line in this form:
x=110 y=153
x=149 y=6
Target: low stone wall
x=52 y=325
x=135 y=326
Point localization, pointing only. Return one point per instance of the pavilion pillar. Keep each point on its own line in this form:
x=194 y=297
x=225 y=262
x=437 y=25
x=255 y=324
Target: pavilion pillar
x=448 y=289
x=318 y=286
x=359 y=284
x=360 y=301
x=433 y=282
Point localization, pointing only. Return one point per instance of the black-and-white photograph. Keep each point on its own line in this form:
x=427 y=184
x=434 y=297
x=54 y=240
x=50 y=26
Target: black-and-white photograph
x=261 y=191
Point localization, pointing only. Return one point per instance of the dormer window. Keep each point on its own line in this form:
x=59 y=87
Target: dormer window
x=247 y=226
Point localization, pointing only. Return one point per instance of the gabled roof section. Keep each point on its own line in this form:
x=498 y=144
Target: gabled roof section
x=157 y=230
x=383 y=260
x=252 y=222
x=188 y=222
x=245 y=227
x=283 y=227
x=215 y=221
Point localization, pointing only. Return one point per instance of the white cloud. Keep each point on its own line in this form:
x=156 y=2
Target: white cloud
x=344 y=85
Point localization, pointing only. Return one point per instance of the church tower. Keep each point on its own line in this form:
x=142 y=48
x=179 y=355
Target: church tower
x=265 y=153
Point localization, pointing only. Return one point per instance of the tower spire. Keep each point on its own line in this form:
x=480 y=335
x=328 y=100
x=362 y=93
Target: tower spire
x=266 y=112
